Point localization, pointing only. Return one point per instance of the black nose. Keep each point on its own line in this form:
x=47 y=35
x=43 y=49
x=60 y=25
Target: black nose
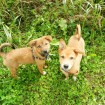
x=45 y=51
x=66 y=66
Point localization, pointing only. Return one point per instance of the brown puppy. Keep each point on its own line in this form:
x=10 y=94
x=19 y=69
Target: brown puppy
x=70 y=55
x=36 y=53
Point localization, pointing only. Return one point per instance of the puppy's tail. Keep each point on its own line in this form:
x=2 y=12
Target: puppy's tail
x=78 y=32
x=3 y=45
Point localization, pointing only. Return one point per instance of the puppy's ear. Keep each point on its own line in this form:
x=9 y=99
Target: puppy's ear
x=32 y=43
x=79 y=51
x=62 y=45
x=49 y=38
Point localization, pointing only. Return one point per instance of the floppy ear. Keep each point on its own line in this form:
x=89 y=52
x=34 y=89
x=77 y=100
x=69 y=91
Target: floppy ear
x=32 y=43
x=79 y=51
x=62 y=44
x=49 y=38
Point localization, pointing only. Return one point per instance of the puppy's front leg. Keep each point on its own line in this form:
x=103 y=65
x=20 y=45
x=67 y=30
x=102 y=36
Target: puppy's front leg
x=66 y=74
x=40 y=67
x=75 y=75
x=13 y=72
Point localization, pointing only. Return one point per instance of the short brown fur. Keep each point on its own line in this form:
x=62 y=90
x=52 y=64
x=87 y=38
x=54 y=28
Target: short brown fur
x=19 y=56
x=70 y=55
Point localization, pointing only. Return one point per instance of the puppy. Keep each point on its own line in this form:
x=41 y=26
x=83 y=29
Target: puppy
x=36 y=53
x=70 y=55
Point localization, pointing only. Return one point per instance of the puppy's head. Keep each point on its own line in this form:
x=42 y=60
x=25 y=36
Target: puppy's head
x=67 y=55
x=42 y=45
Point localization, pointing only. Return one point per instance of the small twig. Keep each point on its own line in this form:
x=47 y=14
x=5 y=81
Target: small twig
x=99 y=21
x=28 y=2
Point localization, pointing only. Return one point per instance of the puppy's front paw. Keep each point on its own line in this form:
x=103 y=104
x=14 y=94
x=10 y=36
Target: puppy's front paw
x=45 y=66
x=74 y=78
x=44 y=73
x=66 y=79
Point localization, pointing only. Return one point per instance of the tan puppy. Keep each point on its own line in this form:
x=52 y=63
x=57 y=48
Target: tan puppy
x=36 y=53
x=70 y=55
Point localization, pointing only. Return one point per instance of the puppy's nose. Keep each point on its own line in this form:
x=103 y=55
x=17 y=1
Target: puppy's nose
x=45 y=51
x=66 y=66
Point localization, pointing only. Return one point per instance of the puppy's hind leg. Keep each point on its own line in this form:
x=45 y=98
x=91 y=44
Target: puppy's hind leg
x=13 y=72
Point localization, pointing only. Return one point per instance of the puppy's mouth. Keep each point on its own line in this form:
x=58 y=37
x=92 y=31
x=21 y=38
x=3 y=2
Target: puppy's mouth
x=66 y=70
x=45 y=54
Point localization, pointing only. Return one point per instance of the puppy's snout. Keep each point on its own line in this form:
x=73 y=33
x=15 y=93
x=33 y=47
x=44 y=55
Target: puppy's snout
x=66 y=66
x=45 y=51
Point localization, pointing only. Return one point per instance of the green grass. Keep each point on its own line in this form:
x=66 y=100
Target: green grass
x=21 y=21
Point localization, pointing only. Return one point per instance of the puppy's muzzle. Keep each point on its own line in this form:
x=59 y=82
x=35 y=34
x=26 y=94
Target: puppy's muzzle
x=45 y=53
x=66 y=66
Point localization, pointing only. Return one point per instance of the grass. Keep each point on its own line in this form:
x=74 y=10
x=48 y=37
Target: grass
x=22 y=21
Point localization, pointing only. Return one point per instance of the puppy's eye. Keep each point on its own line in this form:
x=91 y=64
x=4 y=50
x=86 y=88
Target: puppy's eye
x=71 y=58
x=46 y=43
x=62 y=57
x=39 y=46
